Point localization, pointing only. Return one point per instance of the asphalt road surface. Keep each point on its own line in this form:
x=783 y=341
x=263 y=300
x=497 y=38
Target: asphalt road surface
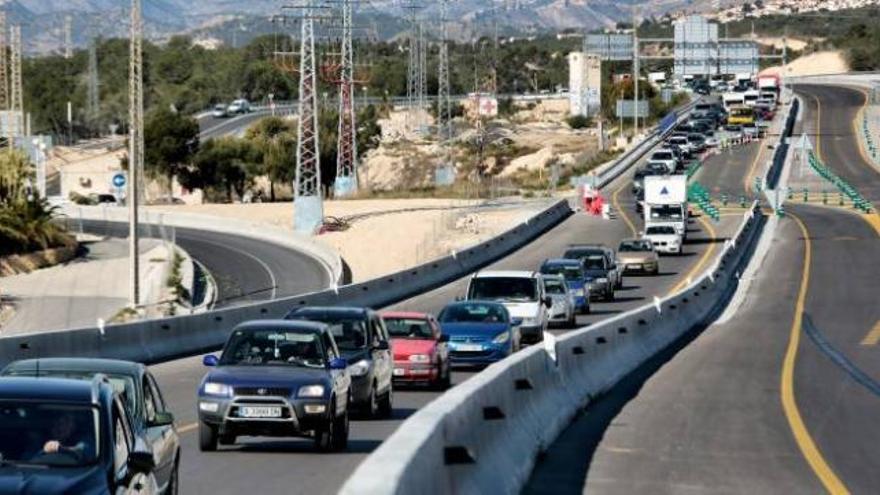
x=781 y=398
x=244 y=269
x=290 y=465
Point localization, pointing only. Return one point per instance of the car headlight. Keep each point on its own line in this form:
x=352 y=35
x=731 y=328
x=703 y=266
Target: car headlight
x=530 y=322
x=501 y=338
x=359 y=368
x=602 y=280
x=420 y=358
x=218 y=389
x=578 y=292
x=311 y=391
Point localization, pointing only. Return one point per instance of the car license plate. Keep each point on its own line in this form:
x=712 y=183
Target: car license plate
x=259 y=412
x=399 y=371
x=469 y=347
x=635 y=267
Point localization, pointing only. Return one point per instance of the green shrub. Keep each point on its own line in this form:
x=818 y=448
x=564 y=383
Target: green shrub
x=578 y=121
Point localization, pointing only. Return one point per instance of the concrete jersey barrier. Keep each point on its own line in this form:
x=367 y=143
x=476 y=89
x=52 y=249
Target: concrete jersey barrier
x=484 y=435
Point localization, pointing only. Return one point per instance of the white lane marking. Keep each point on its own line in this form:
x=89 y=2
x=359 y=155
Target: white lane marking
x=249 y=255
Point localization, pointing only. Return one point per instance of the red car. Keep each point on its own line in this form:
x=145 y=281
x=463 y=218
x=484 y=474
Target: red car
x=421 y=355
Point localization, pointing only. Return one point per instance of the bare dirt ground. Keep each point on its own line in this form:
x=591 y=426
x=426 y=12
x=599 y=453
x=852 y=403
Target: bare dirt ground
x=816 y=64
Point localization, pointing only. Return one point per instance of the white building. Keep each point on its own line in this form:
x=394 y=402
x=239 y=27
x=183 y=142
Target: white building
x=584 y=83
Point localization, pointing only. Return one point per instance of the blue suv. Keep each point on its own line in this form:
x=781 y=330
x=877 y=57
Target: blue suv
x=276 y=378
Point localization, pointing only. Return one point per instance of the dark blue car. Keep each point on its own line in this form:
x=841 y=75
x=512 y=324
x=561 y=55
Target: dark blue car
x=276 y=378
x=479 y=332
x=576 y=279
x=61 y=436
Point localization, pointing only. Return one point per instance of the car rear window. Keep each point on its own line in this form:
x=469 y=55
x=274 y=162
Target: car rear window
x=503 y=288
x=408 y=328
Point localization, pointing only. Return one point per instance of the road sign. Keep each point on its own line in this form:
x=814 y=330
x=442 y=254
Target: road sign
x=119 y=180
x=611 y=46
x=627 y=109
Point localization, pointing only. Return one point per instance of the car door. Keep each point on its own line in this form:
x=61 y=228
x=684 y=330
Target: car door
x=442 y=347
x=382 y=357
x=542 y=308
x=169 y=433
x=123 y=443
x=341 y=380
x=156 y=437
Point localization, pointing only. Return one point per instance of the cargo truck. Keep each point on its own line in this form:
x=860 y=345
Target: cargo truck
x=666 y=202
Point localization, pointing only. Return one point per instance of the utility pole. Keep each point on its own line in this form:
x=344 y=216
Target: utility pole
x=309 y=210
x=423 y=79
x=4 y=80
x=136 y=145
x=16 y=105
x=93 y=101
x=635 y=74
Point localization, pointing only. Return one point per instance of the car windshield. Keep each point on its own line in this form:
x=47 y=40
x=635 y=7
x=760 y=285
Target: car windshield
x=594 y=263
x=555 y=286
x=122 y=384
x=274 y=347
x=520 y=289
x=349 y=331
x=409 y=328
x=473 y=313
x=570 y=272
x=662 y=156
x=666 y=212
x=661 y=230
x=635 y=246
x=29 y=432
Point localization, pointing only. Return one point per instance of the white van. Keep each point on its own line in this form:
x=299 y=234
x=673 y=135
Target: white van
x=521 y=292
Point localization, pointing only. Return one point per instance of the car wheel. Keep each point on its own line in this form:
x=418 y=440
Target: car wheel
x=442 y=382
x=372 y=403
x=609 y=296
x=341 y=429
x=447 y=377
x=207 y=437
x=572 y=320
x=325 y=436
x=386 y=406
x=173 y=487
x=226 y=439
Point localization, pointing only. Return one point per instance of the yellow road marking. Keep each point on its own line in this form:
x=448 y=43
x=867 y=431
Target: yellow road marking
x=873 y=220
x=703 y=260
x=748 y=178
x=873 y=336
x=187 y=428
x=614 y=200
x=805 y=442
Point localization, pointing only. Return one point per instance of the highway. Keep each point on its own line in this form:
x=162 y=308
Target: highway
x=780 y=398
x=290 y=466
x=244 y=269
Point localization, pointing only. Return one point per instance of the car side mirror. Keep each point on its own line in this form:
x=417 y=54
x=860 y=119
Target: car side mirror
x=210 y=360
x=338 y=364
x=382 y=345
x=444 y=337
x=141 y=461
x=459 y=298
x=162 y=418
x=548 y=301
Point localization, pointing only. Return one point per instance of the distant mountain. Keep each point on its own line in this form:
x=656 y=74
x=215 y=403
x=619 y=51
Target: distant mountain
x=240 y=20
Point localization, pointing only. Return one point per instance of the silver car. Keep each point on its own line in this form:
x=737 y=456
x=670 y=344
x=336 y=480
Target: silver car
x=564 y=308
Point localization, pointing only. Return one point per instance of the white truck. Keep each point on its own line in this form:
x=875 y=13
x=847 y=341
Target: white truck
x=666 y=202
x=657 y=79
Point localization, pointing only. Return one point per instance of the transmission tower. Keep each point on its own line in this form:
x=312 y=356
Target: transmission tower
x=346 y=151
x=93 y=97
x=422 y=78
x=412 y=79
x=4 y=70
x=16 y=104
x=309 y=211
x=445 y=171
x=136 y=143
